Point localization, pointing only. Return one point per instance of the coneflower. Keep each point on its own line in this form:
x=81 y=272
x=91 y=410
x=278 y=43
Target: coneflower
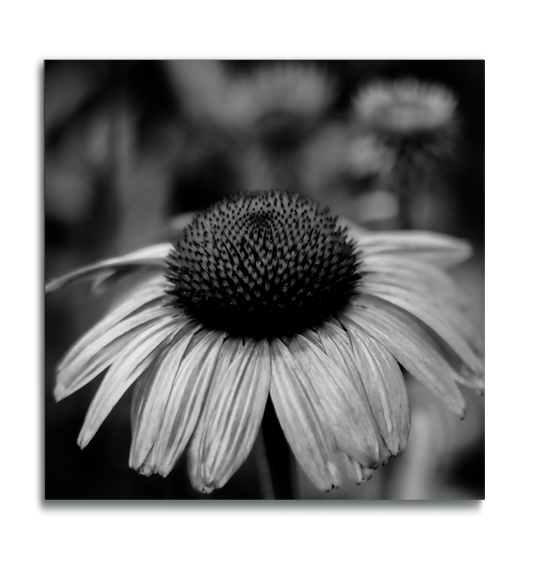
x=266 y=294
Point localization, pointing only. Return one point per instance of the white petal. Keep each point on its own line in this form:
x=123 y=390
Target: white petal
x=136 y=358
x=154 y=255
x=76 y=372
x=299 y=414
x=186 y=401
x=436 y=249
x=443 y=320
x=140 y=296
x=344 y=408
x=385 y=388
x=421 y=277
x=410 y=345
x=336 y=343
x=234 y=410
x=152 y=393
x=226 y=357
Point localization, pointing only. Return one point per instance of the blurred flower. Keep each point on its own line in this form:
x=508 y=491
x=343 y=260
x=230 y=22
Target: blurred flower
x=260 y=119
x=301 y=90
x=266 y=294
x=273 y=112
x=418 y=123
x=272 y=107
x=273 y=103
x=417 y=120
x=407 y=110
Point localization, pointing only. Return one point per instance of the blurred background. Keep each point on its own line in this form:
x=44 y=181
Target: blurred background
x=131 y=144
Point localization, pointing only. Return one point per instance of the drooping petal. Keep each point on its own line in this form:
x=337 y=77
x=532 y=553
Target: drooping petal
x=448 y=324
x=410 y=344
x=344 y=407
x=234 y=409
x=185 y=402
x=377 y=377
x=433 y=248
x=420 y=290
x=152 y=393
x=227 y=355
x=385 y=388
x=97 y=356
x=338 y=344
x=141 y=295
x=149 y=256
x=460 y=372
x=297 y=407
x=136 y=357
x=229 y=351
x=422 y=277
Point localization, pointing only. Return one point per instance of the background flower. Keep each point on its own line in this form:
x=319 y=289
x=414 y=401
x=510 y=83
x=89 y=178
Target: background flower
x=418 y=123
x=407 y=109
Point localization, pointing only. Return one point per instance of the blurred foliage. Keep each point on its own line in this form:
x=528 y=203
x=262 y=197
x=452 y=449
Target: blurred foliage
x=130 y=144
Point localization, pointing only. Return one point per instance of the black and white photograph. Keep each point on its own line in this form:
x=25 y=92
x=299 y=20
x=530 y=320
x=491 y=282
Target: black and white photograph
x=265 y=279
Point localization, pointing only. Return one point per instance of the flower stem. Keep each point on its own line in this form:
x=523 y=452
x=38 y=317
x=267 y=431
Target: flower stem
x=277 y=455
x=265 y=477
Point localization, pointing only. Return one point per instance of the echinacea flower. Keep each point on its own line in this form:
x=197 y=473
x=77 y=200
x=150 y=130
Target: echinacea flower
x=279 y=103
x=407 y=110
x=265 y=115
x=418 y=123
x=266 y=294
x=275 y=103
